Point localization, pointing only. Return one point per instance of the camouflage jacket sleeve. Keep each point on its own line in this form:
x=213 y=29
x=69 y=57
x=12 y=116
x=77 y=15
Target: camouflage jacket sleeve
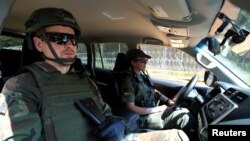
x=128 y=88
x=19 y=109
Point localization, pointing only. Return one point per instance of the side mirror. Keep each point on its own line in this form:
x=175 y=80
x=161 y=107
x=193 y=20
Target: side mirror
x=210 y=78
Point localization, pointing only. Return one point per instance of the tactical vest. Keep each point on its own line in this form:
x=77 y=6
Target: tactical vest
x=62 y=121
x=145 y=96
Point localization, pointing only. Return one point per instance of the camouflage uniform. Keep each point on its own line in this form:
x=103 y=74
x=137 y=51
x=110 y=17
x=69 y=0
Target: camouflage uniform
x=39 y=105
x=43 y=108
x=136 y=89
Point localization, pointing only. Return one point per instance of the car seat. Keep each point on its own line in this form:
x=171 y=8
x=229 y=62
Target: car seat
x=10 y=63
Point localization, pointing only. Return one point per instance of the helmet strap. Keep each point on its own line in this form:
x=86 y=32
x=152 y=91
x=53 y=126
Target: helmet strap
x=62 y=61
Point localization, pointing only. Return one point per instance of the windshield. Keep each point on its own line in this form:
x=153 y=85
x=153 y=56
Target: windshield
x=236 y=56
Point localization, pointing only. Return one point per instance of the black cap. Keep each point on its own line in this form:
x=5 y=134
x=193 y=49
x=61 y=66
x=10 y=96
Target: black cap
x=136 y=53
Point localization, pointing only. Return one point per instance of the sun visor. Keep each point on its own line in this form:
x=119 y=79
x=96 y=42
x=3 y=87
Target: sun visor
x=185 y=18
x=175 y=10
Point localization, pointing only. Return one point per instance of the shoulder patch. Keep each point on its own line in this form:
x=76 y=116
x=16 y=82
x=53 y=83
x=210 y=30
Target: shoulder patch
x=5 y=102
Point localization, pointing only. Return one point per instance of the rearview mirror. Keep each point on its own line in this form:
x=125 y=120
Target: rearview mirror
x=213 y=45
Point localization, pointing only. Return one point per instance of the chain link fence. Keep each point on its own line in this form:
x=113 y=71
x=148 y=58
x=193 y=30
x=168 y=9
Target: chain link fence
x=172 y=64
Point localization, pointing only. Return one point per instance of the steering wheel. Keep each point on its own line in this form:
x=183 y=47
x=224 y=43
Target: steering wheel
x=184 y=91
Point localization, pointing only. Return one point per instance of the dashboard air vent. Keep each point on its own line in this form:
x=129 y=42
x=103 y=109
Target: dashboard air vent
x=230 y=92
x=239 y=98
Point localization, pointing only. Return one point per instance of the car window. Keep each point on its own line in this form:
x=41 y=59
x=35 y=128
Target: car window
x=238 y=55
x=234 y=54
x=12 y=45
x=82 y=53
x=10 y=42
x=171 y=64
x=105 y=54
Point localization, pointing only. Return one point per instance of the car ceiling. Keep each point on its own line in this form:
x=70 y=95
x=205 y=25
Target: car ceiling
x=117 y=20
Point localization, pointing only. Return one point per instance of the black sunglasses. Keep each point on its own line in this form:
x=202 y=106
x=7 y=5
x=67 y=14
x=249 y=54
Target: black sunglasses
x=61 y=38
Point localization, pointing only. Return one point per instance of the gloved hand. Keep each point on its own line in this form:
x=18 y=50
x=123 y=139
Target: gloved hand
x=112 y=129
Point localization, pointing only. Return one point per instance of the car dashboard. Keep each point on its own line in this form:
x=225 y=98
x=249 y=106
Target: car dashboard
x=228 y=105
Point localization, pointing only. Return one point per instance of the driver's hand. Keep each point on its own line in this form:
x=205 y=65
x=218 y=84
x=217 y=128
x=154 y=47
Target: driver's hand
x=160 y=108
x=170 y=102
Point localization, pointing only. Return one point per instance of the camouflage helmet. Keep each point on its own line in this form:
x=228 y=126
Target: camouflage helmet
x=51 y=16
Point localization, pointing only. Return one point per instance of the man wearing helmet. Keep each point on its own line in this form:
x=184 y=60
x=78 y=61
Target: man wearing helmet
x=59 y=20
x=39 y=102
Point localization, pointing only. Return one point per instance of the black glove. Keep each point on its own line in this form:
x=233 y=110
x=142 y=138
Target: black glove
x=112 y=129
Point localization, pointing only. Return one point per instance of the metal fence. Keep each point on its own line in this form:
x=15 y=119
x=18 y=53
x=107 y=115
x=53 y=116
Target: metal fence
x=172 y=59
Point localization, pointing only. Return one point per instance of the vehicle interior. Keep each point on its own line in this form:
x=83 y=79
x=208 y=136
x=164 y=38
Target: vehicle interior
x=172 y=31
